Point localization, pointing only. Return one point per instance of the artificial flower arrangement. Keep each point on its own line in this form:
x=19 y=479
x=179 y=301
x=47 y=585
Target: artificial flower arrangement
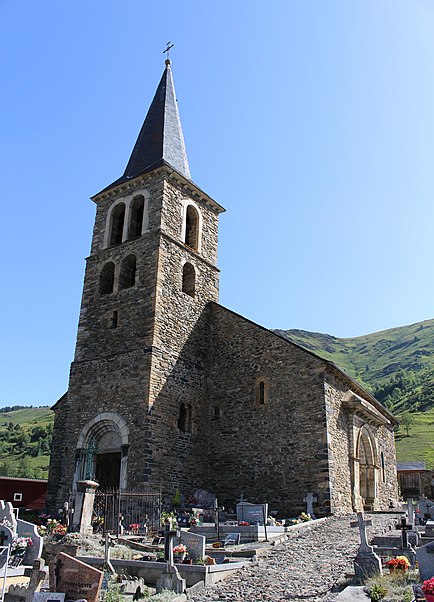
x=428 y=587
x=20 y=543
x=400 y=564
x=243 y=523
x=134 y=527
x=180 y=549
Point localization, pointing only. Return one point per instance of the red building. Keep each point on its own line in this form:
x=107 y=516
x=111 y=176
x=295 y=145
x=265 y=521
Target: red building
x=29 y=494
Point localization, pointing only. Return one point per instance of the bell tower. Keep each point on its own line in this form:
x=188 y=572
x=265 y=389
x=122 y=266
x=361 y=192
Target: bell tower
x=137 y=386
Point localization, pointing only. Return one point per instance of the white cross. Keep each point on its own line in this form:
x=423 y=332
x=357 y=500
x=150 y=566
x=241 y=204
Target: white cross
x=362 y=524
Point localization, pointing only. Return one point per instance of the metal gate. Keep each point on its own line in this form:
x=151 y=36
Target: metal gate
x=131 y=512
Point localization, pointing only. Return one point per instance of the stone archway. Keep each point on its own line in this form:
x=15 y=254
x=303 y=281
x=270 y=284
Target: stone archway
x=102 y=451
x=366 y=455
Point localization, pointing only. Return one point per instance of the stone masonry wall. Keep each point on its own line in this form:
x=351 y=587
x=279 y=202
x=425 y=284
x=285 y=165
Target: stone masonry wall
x=276 y=452
x=152 y=361
x=341 y=450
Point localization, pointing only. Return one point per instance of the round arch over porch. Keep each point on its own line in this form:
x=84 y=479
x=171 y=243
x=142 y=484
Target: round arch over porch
x=111 y=434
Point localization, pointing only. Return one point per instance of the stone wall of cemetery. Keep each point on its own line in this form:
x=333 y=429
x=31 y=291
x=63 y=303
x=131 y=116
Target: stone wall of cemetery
x=274 y=452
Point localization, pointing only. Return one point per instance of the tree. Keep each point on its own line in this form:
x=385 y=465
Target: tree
x=407 y=421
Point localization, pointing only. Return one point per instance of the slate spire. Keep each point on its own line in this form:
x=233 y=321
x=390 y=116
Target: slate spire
x=160 y=139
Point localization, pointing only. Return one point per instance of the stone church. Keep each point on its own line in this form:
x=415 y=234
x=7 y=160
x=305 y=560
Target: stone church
x=170 y=390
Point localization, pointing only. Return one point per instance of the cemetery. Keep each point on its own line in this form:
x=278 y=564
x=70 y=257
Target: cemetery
x=74 y=557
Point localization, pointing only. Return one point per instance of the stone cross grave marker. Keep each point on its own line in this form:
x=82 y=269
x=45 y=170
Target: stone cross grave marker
x=195 y=544
x=37 y=573
x=77 y=579
x=366 y=563
x=170 y=578
x=411 y=512
x=403 y=526
x=309 y=499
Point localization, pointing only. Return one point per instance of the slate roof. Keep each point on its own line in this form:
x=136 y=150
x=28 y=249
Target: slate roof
x=160 y=140
x=410 y=466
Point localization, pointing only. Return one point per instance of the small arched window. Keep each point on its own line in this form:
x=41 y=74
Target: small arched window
x=107 y=278
x=127 y=276
x=261 y=393
x=188 y=279
x=136 y=220
x=192 y=228
x=184 y=420
x=117 y=224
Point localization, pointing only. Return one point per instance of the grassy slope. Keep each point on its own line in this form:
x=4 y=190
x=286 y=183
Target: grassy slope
x=27 y=419
x=375 y=359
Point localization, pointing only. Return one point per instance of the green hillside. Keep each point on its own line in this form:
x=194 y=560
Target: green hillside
x=25 y=442
x=396 y=365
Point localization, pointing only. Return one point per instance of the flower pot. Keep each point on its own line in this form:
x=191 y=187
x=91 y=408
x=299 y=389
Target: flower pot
x=429 y=597
x=178 y=558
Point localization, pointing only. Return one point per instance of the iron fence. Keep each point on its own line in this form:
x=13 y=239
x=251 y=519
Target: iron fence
x=127 y=511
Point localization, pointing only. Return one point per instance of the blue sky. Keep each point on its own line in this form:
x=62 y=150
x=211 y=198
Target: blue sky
x=311 y=122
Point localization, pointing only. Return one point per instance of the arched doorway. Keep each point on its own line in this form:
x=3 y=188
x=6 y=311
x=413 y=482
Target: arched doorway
x=102 y=452
x=367 y=468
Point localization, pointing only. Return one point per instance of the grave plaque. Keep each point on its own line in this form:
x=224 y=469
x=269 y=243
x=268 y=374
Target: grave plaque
x=77 y=579
x=195 y=544
x=252 y=513
x=48 y=597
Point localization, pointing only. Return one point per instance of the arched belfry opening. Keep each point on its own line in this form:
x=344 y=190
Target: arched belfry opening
x=102 y=451
x=192 y=228
x=136 y=219
x=366 y=455
x=117 y=224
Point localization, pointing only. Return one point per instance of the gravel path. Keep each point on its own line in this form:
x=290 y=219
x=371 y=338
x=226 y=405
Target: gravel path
x=304 y=567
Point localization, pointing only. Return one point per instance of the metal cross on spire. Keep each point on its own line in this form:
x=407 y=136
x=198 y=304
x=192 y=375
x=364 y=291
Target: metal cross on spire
x=169 y=46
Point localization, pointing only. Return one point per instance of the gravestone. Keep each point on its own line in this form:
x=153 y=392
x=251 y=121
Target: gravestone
x=426 y=508
x=429 y=528
x=413 y=535
x=195 y=544
x=7 y=516
x=425 y=560
x=77 y=579
x=26 y=529
x=309 y=499
x=233 y=539
x=204 y=499
x=252 y=513
x=366 y=563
